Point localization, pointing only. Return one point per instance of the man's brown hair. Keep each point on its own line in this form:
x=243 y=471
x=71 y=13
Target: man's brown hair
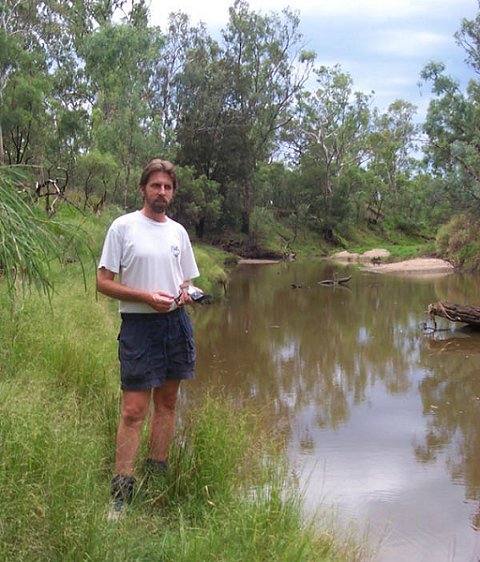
x=158 y=165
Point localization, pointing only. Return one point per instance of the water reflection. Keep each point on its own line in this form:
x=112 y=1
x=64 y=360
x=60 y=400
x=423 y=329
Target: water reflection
x=451 y=402
x=379 y=415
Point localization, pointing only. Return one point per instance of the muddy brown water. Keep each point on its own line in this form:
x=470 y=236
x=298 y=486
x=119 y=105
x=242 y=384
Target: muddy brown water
x=382 y=418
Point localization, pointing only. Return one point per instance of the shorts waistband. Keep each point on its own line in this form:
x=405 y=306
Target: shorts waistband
x=149 y=315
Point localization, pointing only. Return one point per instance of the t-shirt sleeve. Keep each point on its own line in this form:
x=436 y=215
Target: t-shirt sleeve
x=112 y=250
x=188 y=263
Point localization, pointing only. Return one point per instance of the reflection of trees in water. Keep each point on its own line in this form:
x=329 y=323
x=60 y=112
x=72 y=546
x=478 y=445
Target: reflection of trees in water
x=451 y=403
x=316 y=346
x=325 y=348
x=460 y=288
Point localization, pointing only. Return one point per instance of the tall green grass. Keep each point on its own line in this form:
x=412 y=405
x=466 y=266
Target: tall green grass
x=228 y=496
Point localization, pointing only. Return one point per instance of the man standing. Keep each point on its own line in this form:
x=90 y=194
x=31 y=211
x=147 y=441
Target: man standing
x=152 y=256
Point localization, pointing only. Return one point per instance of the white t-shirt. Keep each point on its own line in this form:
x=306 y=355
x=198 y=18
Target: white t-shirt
x=148 y=255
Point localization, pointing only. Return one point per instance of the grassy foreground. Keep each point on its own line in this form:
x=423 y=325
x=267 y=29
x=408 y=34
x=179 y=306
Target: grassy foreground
x=228 y=496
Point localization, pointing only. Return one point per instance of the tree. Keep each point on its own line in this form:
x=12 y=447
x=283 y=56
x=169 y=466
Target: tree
x=468 y=37
x=453 y=130
x=38 y=53
x=267 y=68
x=119 y=60
x=329 y=137
x=392 y=142
x=13 y=38
x=97 y=174
x=242 y=93
x=200 y=204
x=391 y=145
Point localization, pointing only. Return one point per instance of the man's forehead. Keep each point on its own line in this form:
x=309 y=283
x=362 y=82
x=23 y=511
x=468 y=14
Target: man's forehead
x=161 y=178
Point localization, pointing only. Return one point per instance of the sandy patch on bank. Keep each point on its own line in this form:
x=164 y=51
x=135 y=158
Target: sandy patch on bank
x=432 y=266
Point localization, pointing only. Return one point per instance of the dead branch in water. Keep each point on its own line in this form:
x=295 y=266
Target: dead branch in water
x=335 y=280
x=455 y=312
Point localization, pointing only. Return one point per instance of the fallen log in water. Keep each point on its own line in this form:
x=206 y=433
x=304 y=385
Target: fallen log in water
x=455 y=312
x=335 y=281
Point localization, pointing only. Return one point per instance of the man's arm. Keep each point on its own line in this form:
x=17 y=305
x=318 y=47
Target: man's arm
x=106 y=284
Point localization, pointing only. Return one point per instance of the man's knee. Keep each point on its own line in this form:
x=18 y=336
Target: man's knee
x=165 y=398
x=134 y=411
x=166 y=404
x=133 y=416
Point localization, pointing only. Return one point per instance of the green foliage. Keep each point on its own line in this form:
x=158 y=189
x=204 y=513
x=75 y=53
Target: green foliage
x=452 y=126
x=199 y=203
x=213 y=277
x=119 y=62
x=458 y=241
x=96 y=173
x=392 y=142
x=29 y=240
x=94 y=89
x=268 y=237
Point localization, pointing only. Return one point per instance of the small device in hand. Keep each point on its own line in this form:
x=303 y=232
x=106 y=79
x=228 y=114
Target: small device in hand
x=195 y=293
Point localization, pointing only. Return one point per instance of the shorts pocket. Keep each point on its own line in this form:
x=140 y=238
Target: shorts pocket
x=130 y=343
x=188 y=331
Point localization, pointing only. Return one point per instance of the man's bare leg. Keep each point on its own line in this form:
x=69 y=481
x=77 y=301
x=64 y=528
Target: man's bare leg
x=162 y=423
x=135 y=405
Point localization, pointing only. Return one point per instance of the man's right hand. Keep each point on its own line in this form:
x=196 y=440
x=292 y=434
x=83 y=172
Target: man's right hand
x=161 y=301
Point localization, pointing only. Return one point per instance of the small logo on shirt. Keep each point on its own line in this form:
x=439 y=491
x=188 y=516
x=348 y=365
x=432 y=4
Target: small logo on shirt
x=175 y=251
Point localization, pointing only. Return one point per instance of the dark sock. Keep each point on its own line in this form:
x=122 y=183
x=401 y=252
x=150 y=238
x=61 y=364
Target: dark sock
x=122 y=487
x=152 y=466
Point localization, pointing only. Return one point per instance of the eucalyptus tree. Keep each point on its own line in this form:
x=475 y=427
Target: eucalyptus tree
x=329 y=137
x=200 y=205
x=17 y=18
x=40 y=74
x=182 y=62
x=241 y=91
x=119 y=62
x=23 y=111
x=266 y=67
x=392 y=143
x=97 y=175
x=468 y=37
x=210 y=134
x=453 y=123
x=453 y=130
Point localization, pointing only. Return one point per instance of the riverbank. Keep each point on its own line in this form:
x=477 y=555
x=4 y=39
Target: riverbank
x=229 y=495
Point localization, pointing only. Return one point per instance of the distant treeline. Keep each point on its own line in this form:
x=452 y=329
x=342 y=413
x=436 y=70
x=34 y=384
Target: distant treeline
x=91 y=90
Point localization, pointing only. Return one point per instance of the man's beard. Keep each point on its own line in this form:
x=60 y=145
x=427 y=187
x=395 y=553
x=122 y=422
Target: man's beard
x=157 y=205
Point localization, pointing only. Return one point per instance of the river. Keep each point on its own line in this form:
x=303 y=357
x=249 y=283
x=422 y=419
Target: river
x=382 y=417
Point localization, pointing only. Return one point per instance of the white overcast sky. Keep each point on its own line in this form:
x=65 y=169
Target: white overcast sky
x=382 y=44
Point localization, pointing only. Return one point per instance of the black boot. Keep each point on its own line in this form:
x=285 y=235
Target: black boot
x=154 y=468
x=122 y=492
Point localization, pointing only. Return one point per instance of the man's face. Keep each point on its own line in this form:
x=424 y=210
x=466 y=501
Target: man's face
x=158 y=192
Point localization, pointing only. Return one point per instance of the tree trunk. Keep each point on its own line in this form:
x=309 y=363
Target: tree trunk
x=2 y=151
x=246 y=208
x=455 y=312
x=125 y=189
